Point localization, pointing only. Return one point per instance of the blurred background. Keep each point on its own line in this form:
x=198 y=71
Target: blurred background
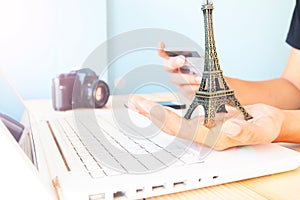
x=39 y=39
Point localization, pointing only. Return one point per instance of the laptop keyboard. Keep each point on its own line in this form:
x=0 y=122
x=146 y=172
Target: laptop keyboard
x=105 y=149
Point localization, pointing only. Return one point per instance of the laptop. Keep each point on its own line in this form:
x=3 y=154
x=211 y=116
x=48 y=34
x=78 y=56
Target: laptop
x=20 y=177
x=118 y=154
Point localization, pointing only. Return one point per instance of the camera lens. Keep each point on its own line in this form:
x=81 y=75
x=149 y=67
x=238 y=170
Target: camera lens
x=100 y=94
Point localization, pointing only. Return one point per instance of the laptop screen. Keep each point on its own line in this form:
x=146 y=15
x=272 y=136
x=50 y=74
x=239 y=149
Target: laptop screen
x=9 y=103
x=14 y=115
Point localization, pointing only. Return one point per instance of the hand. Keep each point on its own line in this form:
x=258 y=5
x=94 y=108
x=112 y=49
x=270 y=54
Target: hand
x=231 y=130
x=187 y=84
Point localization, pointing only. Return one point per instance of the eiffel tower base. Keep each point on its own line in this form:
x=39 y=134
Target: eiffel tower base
x=215 y=104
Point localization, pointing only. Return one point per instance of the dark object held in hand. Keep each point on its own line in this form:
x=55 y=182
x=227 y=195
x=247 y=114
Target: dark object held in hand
x=79 y=89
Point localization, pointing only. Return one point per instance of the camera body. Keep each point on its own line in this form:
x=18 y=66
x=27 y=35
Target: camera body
x=79 y=89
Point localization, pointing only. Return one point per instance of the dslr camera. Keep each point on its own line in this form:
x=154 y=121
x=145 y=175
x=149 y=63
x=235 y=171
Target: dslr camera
x=79 y=89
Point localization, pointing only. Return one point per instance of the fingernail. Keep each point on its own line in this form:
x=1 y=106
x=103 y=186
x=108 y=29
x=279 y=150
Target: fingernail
x=145 y=106
x=180 y=60
x=198 y=79
x=231 y=129
x=162 y=45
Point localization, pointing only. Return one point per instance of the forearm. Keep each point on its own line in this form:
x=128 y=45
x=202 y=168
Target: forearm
x=290 y=130
x=277 y=92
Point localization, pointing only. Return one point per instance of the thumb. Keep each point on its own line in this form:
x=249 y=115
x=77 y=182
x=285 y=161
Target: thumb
x=161 y=51
x=234 y=128
x=162 y=117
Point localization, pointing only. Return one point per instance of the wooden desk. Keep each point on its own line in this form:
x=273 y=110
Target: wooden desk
x=278 y=186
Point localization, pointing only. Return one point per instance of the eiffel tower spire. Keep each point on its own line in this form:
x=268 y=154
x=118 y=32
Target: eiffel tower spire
x=214 y=92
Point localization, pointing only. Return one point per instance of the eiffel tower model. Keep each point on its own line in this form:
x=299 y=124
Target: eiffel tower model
x=214 y=92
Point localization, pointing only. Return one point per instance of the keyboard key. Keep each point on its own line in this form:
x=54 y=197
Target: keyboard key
x=106 y=149
x=111 y=171
x=148 y=145
x=150 y=162
x=130 y=163
x=165 y=157
x=97 y=174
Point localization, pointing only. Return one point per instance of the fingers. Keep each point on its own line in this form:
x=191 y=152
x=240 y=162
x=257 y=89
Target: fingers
x=171 y=63
x=235 y=131
x=161 y=51
x=187 y=84
x=264 y=128
x=247 y=133
x=176 y=125
x=165 y=119
x=171 y=122
x=174 y=63
x=188 y=91
x=185 y=79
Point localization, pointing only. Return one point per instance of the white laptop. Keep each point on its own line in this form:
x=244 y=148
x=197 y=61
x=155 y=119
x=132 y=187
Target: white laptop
x=20 y=178
x=119 y=154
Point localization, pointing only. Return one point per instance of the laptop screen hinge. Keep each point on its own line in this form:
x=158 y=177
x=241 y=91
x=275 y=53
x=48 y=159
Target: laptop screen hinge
x=58 y=146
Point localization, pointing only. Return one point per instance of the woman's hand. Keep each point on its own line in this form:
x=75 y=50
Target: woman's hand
x=187 y=84
x=231 y=129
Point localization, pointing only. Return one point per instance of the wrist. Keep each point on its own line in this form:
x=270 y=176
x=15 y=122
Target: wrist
x=290 y=129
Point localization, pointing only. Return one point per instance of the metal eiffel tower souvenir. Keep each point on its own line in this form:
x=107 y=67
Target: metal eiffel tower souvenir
x=214 y=92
